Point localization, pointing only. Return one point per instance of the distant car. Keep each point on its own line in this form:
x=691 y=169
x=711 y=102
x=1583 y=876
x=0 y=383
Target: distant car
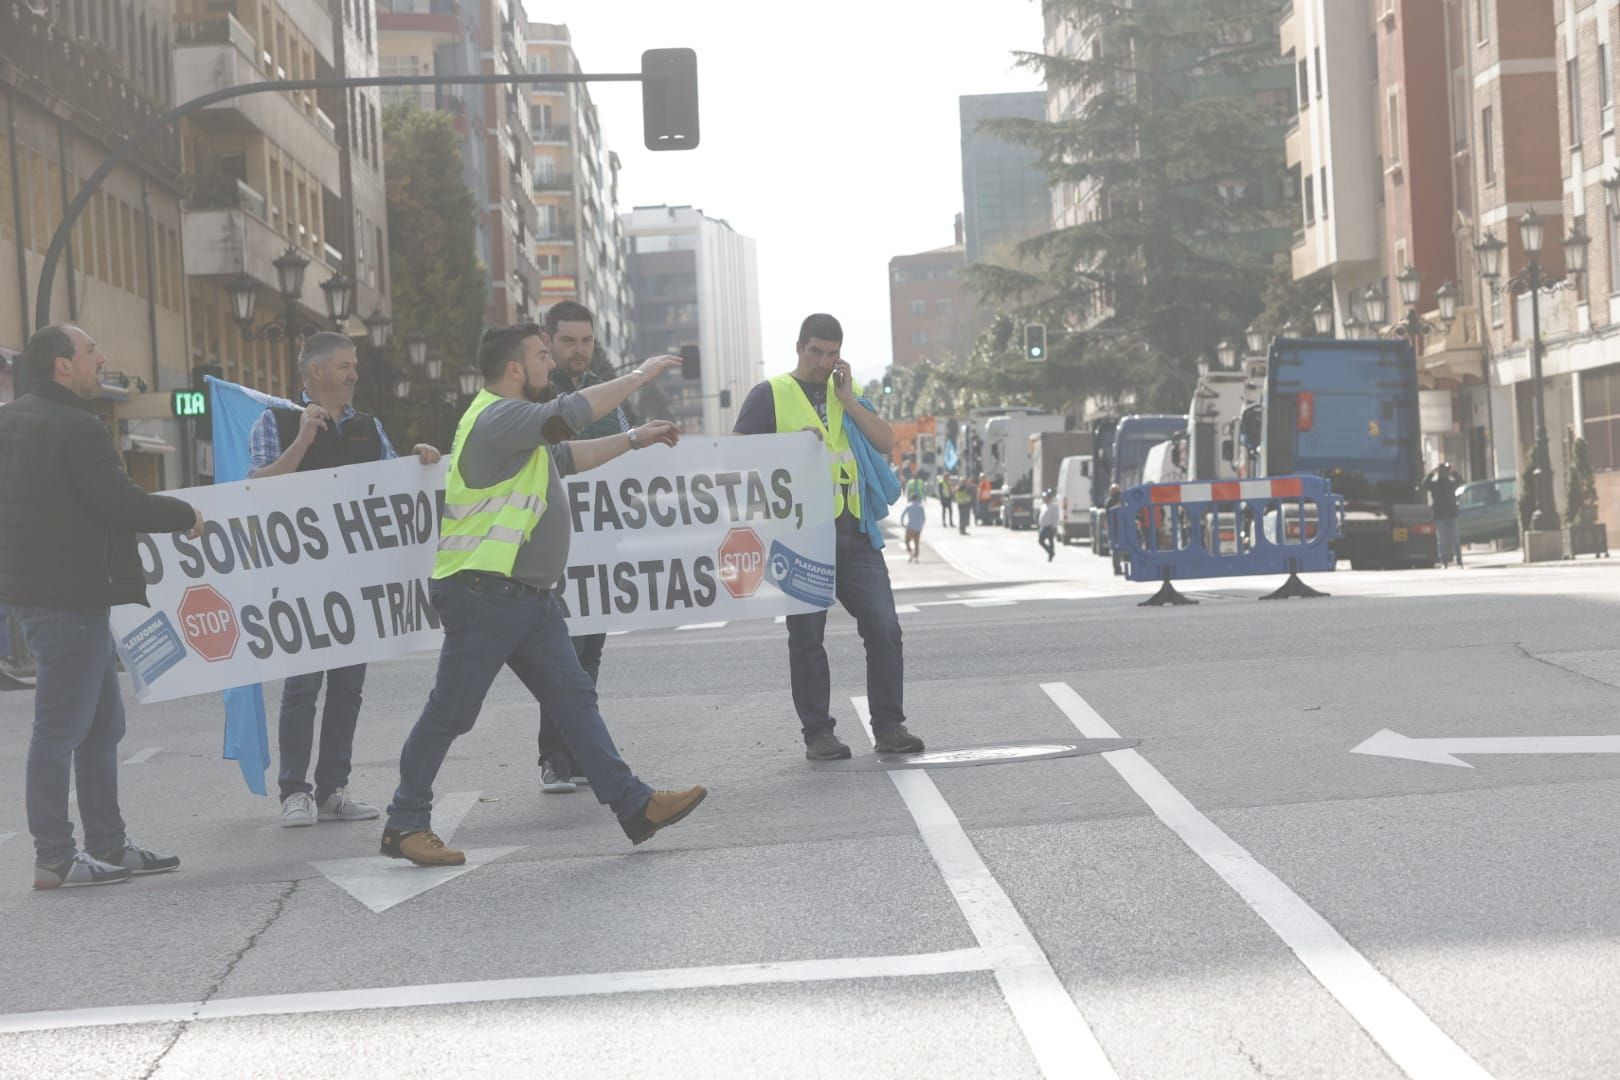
x=1018 y=511
x=1488 y=510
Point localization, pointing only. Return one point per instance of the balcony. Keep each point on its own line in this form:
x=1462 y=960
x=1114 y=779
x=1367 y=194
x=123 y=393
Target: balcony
x=207 y=66
x=1457 y=354
x=227 y=193
x=556 y=134
x=554 y=234
x=222 y=242
x=560 y=184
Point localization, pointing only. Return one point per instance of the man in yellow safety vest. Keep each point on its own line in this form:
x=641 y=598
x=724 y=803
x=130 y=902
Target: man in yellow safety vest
x=816 y=396
x=503 y=544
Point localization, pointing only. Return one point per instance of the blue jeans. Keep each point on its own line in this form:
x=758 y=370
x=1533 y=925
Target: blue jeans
x=1445 y=537
x=78 y=722
x=338 y=719
x=490 y=622
x=588 y=647
x=863 y=589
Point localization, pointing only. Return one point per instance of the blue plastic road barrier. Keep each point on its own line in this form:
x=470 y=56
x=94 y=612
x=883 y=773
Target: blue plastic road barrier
x=1175 y=532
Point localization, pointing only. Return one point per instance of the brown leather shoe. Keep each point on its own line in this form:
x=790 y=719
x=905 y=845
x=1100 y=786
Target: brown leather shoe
x=664 y=808
x=422 y=848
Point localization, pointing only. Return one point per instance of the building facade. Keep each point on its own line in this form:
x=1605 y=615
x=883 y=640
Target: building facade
x=75 y=80
x=1005 y=195
x=581 y=247
x=932 y=315
x=459 y=37
x=696 y=282
x=299 y=170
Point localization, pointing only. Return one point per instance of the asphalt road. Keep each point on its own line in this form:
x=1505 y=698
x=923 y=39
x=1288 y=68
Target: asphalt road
x=1239 y=895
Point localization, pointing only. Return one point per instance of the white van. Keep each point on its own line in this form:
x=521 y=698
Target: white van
x=1074 y=497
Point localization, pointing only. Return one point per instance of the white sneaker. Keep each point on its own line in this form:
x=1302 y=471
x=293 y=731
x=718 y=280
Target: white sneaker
x=298 y=810
x=339 y=806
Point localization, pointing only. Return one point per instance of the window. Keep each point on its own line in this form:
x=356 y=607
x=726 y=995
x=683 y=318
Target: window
x=1600 y=410
x=1572 y=77
x=920 y=337
x=1324 y=193
x=943 y=306
x=1487 y=144
x=539 y=64
x=1605 y=91
x=1393 y=112
x=1496 y=305
x=1304 y=84
x=919 y=307
x=1484 y=16
x=1378 y=179
x=1612 y=236
x=1319 y=71
x=1310 y=200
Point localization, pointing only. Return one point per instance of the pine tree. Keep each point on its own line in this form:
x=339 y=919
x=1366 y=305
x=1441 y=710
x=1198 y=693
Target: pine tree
x=1189 y=166
x=436 y=281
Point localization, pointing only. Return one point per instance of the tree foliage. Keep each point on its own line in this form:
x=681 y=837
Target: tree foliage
x=1180 y=152
x=436 y=281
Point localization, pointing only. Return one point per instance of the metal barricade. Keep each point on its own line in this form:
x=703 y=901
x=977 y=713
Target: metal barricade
x=1177 y=532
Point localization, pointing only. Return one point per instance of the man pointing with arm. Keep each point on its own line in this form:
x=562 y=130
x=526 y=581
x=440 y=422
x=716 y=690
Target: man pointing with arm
x=503 y=545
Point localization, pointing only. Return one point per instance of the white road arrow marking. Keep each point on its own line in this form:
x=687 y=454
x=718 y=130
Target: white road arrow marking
x=141 y=757
x=380 y=883
x=1389 y=743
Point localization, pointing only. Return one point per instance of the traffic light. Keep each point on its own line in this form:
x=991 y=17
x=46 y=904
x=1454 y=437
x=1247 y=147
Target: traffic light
x=888 y=383
x=691 y=362
x=1035 y=342
x=669 y=99
x=725 y=399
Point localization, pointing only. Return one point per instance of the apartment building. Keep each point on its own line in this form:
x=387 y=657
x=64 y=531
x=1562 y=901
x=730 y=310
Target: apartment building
x=460 y=37
x=932 y=315
x=696 y=282
x=275 y=172
x=581 y=246
x=75 y=79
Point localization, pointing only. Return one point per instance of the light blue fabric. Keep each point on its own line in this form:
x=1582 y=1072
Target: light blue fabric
x=235 y=410
x=879 y=485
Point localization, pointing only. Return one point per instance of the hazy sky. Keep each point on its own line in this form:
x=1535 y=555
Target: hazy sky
x=830 y=134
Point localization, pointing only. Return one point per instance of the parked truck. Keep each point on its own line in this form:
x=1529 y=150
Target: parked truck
x=1047 y=449
x=1348 y=411
x=1212 y=447
x=1122 y=460
x=1006 y=453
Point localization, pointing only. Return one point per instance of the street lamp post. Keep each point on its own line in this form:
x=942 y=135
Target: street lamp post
x=378 y=330
x=290 y=266
x=1322 y=315
x=1532 y=279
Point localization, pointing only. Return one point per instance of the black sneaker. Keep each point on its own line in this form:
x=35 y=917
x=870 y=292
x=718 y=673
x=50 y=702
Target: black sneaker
x=556 y=778
x=138 y=860
x=826 y=746
x=897 y=740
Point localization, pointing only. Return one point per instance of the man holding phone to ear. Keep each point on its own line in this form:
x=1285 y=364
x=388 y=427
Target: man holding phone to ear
x=817 y=396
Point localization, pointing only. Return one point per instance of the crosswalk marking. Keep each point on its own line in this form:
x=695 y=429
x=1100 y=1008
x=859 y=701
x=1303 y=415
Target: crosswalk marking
x=1058 y=1035
x=1412 y=1040
x=702 y=626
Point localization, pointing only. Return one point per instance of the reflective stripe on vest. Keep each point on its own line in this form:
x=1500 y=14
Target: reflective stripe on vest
x=483 y=528
x=795 y=413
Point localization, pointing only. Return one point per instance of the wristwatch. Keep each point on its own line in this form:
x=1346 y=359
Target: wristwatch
x=634 y=443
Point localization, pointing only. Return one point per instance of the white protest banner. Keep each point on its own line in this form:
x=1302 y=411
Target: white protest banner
x=318 y=570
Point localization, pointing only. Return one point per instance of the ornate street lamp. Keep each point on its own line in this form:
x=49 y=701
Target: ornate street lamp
x=1533 y=279
x=470 y=379
x=1255 y=339
x=1446 y=297
x=1376 y=304
x=1322 y=314
x=1410 y=282
x=244 y=294
x=402 y=387
x=378 y=329
x=416 y=348
x=290 y=266
x=1226 y=353
x=339 y=299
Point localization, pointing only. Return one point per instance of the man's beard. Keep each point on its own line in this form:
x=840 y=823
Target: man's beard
x=537 y=394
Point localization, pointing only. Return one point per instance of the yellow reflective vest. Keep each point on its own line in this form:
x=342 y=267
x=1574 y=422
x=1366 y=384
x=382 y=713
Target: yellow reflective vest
x=795 y=413
x=483 y=528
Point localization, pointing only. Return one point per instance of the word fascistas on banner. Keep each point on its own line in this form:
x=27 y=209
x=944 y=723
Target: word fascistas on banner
x=317 y=570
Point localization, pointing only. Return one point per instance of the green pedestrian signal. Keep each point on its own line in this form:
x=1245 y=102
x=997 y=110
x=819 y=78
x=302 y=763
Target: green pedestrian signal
x=1035 y=342
x=189 y=404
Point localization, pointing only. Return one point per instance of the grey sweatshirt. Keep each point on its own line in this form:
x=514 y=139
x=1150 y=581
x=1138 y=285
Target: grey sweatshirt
x=501 y=441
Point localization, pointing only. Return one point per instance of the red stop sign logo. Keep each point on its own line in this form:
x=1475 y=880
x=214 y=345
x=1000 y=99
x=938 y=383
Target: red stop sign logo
x=209 y=623
x=742 y=562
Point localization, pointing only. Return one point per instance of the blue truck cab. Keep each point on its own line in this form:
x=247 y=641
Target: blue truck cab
x=1121 y=455
x=1348 y=411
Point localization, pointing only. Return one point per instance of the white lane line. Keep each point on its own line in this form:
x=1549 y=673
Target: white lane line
x=702 y=626
x=989 y=603
x=555 y=986
x=617 y=633
x=141 y=757
x=907 y=609
x=1412 y=1040
x=780 y=619
x=4 y=836
x=1057 y=1032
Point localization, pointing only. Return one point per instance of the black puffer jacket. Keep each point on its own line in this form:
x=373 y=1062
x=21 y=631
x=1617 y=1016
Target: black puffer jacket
x=68 y=510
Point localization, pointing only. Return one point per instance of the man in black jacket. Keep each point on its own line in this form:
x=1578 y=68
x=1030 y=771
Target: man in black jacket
x=68 y=518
